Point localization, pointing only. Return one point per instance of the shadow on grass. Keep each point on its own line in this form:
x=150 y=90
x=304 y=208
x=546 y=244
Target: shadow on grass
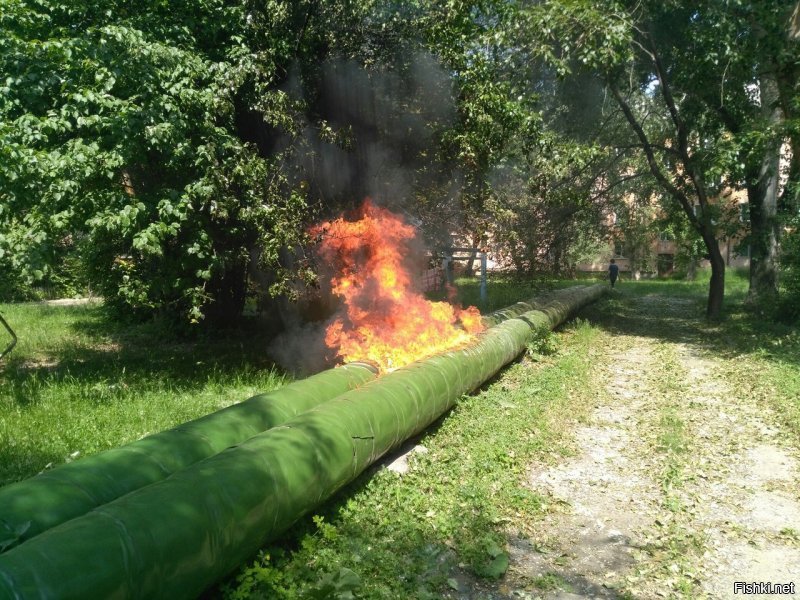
x=111 y=359
x=675 y=312
x=33 y=460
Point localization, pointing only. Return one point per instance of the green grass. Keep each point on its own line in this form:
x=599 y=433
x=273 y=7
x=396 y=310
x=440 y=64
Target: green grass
x=77 y=383
x=677 y=545
x=503 y=290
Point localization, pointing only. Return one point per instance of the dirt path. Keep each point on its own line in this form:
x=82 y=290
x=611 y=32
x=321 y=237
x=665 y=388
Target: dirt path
x=73 y=301
x=746 y=499
x=680 y=484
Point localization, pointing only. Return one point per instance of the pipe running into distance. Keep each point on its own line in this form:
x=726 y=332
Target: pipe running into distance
x=176 y=537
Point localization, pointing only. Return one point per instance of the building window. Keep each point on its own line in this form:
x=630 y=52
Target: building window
x=619 y=248
x=666 y=236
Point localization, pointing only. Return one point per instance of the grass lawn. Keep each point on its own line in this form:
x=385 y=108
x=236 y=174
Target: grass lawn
x=504 y=290
x=77 y=383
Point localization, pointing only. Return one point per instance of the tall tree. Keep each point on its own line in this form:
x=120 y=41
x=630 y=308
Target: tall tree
x=737 y=63
x=118 y=135
x=705 y=87
x=618 y=44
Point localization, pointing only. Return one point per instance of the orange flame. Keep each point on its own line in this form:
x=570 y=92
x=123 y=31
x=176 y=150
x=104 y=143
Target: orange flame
x=387 y=321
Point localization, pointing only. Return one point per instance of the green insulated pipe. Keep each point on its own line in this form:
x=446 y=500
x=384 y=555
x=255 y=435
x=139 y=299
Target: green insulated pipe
x=535 y=303
x=34 y=505
x=176 y=537
x=29 y=507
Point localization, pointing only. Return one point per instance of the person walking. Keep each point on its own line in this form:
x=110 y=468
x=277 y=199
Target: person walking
x=613 y=272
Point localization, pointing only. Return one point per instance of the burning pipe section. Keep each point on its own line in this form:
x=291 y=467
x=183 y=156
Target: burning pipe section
x=176 y=537
x=29 y=507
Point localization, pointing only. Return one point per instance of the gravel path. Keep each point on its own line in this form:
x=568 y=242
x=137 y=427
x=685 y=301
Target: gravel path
x=619 y=526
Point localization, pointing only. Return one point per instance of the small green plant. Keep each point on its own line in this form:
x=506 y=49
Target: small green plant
x=339 y=585
x=550 y=582
x=489 y=560
x=327 y=531
x=263 y=579
x=790 y=534
x=544 y=343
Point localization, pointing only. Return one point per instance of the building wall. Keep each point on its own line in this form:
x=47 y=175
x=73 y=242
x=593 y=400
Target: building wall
x=664 y=249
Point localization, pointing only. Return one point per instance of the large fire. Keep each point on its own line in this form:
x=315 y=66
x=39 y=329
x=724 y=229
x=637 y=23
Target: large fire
x=386 y=320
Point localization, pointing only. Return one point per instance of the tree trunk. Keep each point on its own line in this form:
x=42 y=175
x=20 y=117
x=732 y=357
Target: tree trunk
x=476 y=241
x=556 y=254
x=762 y=196
x=716 y=287
x=469 y=271
x=229 y=291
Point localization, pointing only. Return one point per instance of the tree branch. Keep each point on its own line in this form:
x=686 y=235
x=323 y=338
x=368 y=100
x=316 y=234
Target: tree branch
x=311 y=6
x=680 y=128
x=664 y=149
x=616 y=183
x=655 y=169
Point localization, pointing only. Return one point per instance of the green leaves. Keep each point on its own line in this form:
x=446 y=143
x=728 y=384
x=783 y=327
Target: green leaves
x=495 y=563
x=336 y=586
x=121 y=138
x=573 y=34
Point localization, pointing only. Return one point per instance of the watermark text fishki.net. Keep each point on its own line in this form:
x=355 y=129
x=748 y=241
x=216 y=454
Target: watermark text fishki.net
x=762 y=587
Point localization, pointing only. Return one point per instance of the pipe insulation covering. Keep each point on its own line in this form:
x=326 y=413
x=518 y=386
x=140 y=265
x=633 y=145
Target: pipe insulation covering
x=519 y=308
x=176 y=537
x=31 y=506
